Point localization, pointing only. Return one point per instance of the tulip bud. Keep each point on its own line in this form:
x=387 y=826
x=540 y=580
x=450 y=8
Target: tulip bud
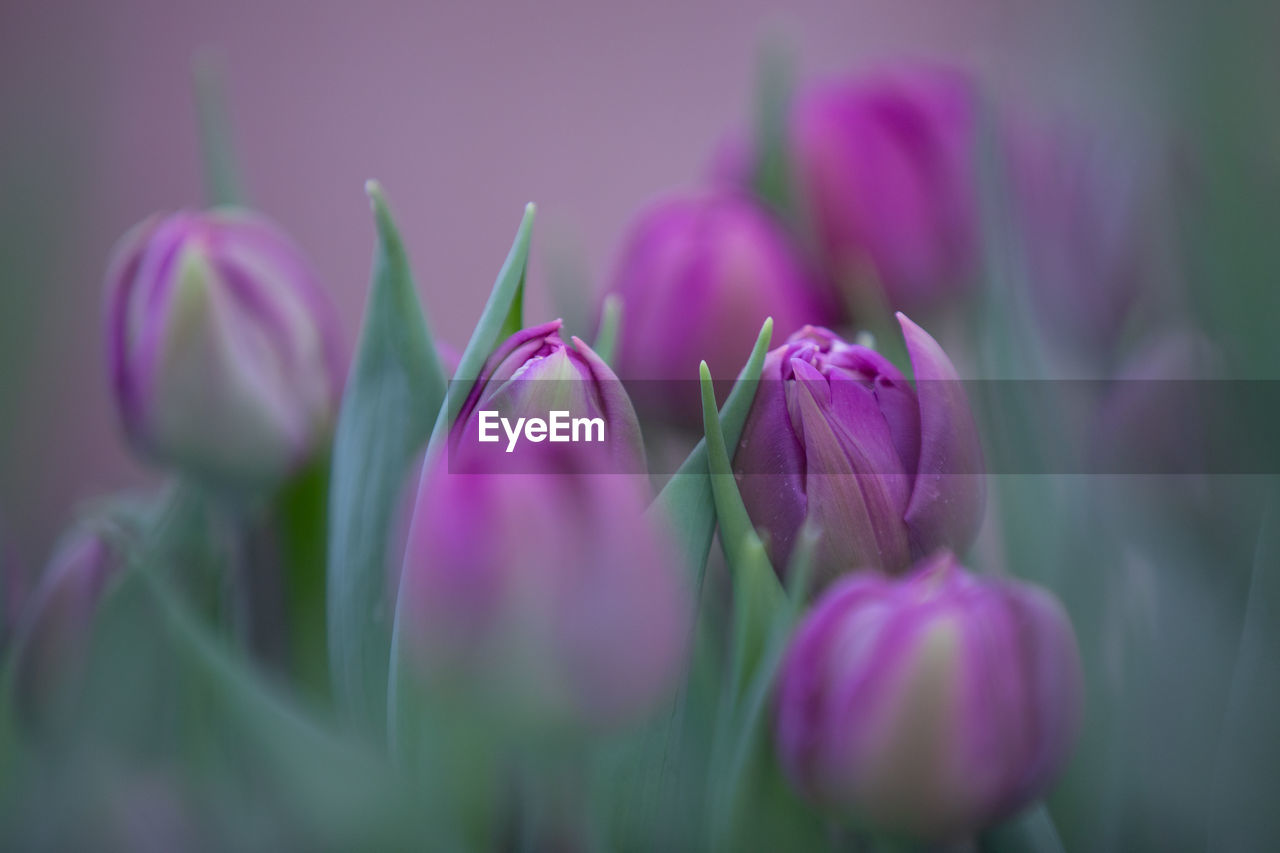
x=52 y=639
x=534 y=373
x=888 y=472
x=552 y=595
x=1085 y=226
x=224 y=351
x=698 y=276
x=931 y=705
x=883 y=176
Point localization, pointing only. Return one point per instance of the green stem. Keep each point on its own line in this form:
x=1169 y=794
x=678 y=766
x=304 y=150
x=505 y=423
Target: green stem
x=222 y=175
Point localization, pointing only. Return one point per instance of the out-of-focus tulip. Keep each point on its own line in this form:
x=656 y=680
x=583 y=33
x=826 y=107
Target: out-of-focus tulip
x=698 y=275
x=889 y=473
x=534 y=373
x=551 y=595
x=1083 y=218
x=883 y=172
x=931 y=705
x=52 y=639
x=224 y=352
x=1168 y=429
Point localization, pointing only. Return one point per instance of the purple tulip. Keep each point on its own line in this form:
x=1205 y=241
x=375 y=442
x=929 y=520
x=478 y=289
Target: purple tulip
x=931 y=705
x=888 y=472
x=883 y=176
x=1085 y=227
x=51 y=643
x=552 y=595
x=533 y=374
x=698 y=276
x=224 y=351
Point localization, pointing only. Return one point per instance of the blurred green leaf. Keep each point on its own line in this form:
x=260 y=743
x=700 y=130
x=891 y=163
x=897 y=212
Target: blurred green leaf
x=610 y=319
x=771 y=179
x=687 y=500
x=321 y=785
x=301 y=520
x=1009 y=347
x=501 y=317
x=395 y=389
x=1248 y=761
x=749 y=798
x=1030 y=832
x=221 y=173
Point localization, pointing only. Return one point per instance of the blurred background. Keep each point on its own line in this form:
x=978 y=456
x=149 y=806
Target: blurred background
x=464 y=111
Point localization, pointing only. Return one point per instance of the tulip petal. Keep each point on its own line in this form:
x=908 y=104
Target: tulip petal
x=625 y=437
x=510 y=355
x=848 y=499
x=950 y=492
x=769 y=464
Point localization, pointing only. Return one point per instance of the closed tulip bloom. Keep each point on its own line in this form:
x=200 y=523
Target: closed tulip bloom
x=534 y=373
x=52 y=639
x=1085 y=217
x=697 y=276
x=224 y=352
x=931 y=705
x=888 y=472
x=882 y=171
x=553 y=597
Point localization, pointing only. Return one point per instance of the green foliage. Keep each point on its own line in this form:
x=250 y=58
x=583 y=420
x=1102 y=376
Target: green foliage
x=395 y=389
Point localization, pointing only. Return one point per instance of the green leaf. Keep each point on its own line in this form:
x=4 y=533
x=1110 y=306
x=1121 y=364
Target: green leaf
x=772 y=178
x=221 y=174
x=757 y=593
x=1242 y=816
x=504 y=304
x=610 y=319
x=1004 y=330
x=515 y=315
x=800 y=569
x=301 y=518
x=687 y=500
x=742 y=764
x=395 y=388
x=324 y=782
x=736 y=531
x=1030 y=832
x=500 y=312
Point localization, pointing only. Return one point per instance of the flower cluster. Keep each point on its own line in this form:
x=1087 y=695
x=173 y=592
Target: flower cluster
x=526 y=597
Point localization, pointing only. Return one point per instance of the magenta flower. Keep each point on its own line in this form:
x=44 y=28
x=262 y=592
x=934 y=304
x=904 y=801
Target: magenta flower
x=551 y=595
x=698 y=275
x=224 y=351
x=533 y=374
x=51 y=643
x=888 y=472
x=883 y=177
x=931 y=705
